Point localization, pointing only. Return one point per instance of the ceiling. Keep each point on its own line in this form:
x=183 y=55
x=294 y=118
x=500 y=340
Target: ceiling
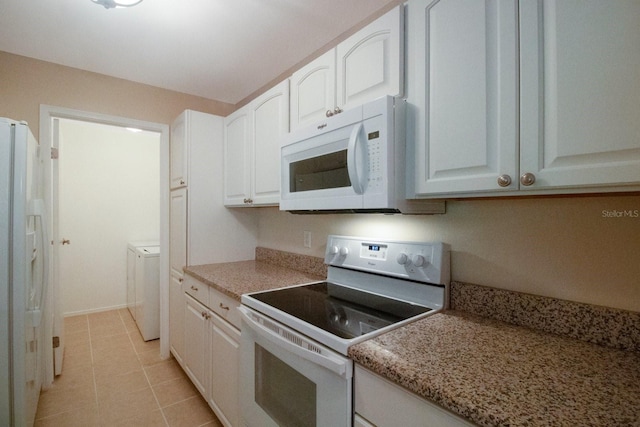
x=217 y=49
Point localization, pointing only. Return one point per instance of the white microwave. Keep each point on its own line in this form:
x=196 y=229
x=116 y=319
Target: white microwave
x=351 y=162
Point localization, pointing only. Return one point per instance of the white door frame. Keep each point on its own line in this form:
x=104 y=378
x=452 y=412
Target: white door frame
x=48 y=139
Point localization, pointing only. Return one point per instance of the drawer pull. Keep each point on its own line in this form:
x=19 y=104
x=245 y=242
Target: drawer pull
x=224 y=307
x=193 y=288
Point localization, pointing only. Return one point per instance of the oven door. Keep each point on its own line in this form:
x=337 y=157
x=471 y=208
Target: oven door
x=289 y=380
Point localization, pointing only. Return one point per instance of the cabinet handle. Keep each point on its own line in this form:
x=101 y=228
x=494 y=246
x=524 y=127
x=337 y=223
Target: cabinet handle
x=193 y=288
x=181 y=182
x=329 y=113
x=248 y=201
x=180 y=280
x=224 y=307
x=527 y=179
x=205 y=315
x=504 y=180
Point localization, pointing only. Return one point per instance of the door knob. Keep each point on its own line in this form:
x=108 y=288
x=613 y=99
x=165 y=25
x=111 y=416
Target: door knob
x=66 y=241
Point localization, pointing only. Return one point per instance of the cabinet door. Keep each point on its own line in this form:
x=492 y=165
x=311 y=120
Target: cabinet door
x=225 y=357
x=462 y=92
x=237 y=143
x=313 y=90
x=178 y=231
x=370 y=64
x=270 y=125
x=178 y=147
x=176 y=317
x=580 y=92
x=196 y=343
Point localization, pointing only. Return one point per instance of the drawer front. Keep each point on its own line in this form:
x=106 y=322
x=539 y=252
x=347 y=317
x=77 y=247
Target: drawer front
x=196 y=289
x=225 y=307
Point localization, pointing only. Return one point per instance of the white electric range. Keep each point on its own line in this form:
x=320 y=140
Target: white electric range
x=295 y=339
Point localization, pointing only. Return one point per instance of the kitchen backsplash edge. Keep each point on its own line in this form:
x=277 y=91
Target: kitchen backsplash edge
x=605 y=326
x=304 y=263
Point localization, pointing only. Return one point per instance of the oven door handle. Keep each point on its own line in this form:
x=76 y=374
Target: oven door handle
x=334 y=363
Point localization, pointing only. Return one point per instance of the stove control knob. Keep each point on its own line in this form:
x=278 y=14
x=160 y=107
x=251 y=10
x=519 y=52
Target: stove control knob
x=344 y=251
x=418 y=260
x=334 y=250
x=402 y=258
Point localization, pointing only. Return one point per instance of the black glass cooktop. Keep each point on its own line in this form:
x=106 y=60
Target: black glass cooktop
x=342 y=311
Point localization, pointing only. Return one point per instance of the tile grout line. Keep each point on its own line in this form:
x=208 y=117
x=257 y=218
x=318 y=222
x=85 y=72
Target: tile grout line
x=93 y=374
x=144 y=371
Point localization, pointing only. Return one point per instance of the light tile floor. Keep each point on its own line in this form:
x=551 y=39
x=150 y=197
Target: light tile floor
x=111 y=377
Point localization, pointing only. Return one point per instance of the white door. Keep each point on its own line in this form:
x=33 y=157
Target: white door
x=178 y=231
x=462 y=93
x=270 y=125
x=196 y=343
x=313 y=90
x=370 y=63
x=225 y=364
x=179 y=155
x=579 y=92
x=237 y=146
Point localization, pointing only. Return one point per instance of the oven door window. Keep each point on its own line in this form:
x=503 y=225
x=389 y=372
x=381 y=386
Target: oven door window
x=282 y=392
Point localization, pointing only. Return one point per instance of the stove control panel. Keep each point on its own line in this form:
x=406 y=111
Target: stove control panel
x=420 y=261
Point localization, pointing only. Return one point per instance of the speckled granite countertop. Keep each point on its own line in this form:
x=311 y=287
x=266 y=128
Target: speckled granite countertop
x=241 y=277
x=497 y=374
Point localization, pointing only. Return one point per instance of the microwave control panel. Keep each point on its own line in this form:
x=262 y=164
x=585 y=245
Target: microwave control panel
x=377 y=157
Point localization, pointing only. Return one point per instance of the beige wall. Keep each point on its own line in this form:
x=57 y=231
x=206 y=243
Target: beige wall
x=26 y=83
x=559 y=247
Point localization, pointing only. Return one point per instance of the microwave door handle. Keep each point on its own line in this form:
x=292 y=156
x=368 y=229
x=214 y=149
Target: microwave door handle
x=356 y=165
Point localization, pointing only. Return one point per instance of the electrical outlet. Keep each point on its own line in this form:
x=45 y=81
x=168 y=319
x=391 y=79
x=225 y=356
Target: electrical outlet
x=307 y=239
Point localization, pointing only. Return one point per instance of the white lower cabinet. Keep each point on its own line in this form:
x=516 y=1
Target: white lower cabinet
x=224 y=360
x=176 y=316
x=211 y=350
x=380 y=403
x=195 y=343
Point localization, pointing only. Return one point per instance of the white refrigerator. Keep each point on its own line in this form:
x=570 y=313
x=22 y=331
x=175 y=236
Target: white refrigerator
x=24 y=258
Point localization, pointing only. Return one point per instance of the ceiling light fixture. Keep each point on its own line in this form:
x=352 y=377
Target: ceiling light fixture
x=110 y=4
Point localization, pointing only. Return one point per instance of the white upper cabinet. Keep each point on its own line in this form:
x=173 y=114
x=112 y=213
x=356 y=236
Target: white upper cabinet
x=462 y=92
x=270 y=125
x=253 y=135
x=179 y=157
x=580 y=92
x=237 y=143
x=367 y=65
x=567 y=123
x=313 y=90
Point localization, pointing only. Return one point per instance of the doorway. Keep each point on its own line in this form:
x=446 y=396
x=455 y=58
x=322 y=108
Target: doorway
x=54 y=131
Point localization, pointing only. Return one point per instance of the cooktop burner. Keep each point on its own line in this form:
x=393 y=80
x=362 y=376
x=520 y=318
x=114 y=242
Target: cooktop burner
x=340 y=310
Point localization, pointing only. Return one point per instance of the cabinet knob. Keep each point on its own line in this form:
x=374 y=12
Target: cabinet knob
x=337 y=110
x=180 y=280
x=504 y=180
x=181 y=182
x=193 y=288
x=329 y=113
x=527 y=179
x=224 y=307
